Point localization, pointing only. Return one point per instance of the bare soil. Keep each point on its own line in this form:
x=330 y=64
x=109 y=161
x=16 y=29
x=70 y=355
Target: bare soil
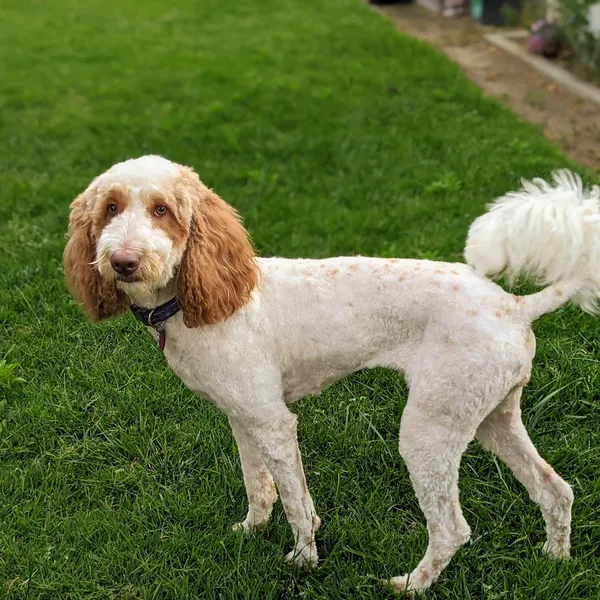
x=565 y=118
x=568 y=61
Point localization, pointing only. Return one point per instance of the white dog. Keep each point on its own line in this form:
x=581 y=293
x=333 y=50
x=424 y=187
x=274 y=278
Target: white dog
x=256 y=334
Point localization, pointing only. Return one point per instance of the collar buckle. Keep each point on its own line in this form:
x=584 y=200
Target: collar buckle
x=161 y=313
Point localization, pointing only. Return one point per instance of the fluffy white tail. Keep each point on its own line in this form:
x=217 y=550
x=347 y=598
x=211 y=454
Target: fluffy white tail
x=547 y=232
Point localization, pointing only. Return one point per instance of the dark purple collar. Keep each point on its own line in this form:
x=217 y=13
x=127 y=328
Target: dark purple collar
x=156 y=317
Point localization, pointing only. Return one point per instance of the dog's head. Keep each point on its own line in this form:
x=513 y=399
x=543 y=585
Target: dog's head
x=148 y=222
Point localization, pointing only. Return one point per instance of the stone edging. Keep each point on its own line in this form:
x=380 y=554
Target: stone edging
x=557 y=74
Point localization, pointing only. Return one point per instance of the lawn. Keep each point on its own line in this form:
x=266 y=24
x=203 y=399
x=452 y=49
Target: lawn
x=332 y=134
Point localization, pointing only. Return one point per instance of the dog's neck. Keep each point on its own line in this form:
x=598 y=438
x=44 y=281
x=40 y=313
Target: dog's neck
x=147 y=297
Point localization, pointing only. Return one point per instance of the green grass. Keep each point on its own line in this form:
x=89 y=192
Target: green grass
x=332 y=134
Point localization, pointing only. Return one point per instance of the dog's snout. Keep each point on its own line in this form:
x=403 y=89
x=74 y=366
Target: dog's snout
x=124 y=262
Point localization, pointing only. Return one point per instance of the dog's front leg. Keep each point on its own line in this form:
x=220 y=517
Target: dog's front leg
x=275 y=436
x=260 y=487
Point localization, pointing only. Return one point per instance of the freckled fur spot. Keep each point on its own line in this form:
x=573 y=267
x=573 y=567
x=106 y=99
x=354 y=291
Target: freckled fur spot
x=530 y=341
x=435 y=283
x=402 y=278
x=472 y=312
x=353 y=267
x=547 y=474
x=333 y=272
x=498 y=314
x=456 y=288
x=425 y=574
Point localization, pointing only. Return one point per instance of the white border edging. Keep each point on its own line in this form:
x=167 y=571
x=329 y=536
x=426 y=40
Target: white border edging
x=432 y=5
x=542 y=65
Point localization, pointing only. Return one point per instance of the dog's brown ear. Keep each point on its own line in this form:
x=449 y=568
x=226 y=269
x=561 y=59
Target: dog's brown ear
x=100 y=298
x=218 y=270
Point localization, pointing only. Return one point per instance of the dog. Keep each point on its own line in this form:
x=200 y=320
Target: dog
x=254 y=335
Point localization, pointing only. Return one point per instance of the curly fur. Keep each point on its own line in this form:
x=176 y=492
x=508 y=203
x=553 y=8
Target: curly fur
x=213 y=261
x=101 y=298
x=218 y=271
x=548 y=232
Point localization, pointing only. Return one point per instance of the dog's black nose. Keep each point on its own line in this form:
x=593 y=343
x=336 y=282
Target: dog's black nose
x=124 y=262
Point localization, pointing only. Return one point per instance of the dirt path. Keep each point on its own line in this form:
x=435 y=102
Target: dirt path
x=565 y=118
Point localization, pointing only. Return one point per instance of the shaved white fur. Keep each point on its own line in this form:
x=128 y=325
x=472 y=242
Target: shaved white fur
x=464 y=345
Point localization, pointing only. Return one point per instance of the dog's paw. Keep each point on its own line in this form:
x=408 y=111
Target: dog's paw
x=401 y=584
x=558 y=549
x=249 y=525
x=304 y=558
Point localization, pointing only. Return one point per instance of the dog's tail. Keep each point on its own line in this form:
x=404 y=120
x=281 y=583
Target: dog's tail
x=548 y=232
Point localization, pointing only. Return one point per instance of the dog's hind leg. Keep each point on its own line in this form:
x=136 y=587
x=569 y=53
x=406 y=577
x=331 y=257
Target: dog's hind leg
x=503 y=433
x=431 y=444
x=260 y=487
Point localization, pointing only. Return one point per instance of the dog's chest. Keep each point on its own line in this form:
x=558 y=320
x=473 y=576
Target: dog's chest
x=189 y=360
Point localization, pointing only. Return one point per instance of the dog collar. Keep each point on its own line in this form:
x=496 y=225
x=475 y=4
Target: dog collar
x=156 y=317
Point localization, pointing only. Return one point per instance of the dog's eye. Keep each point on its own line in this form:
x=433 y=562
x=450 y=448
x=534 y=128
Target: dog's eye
x=160 y=210
x=112 y=208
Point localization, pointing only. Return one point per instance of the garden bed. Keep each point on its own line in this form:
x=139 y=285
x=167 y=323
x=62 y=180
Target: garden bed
x=569 y=119
x=516 y=44
x=567 y=61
